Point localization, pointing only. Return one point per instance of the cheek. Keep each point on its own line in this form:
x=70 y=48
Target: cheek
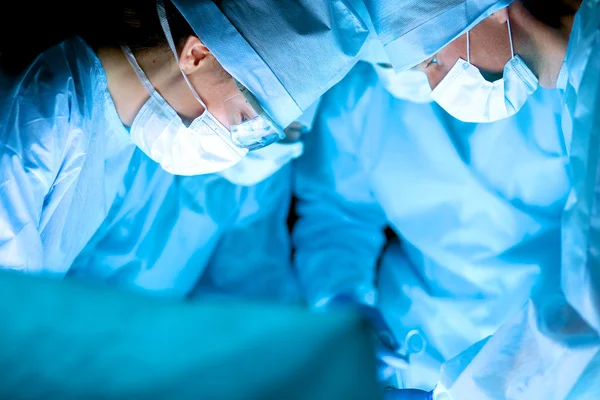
x=216 y=95
x=435 y=74
x=220 y=114
x=447 y=58
x=215 y=106
x=455 y=50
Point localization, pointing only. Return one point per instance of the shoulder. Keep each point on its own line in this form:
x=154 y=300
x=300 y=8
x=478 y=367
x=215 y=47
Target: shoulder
x=40 y=108
x=59 y=69
x=351 y=95
x=51 y=87
x=354 y=87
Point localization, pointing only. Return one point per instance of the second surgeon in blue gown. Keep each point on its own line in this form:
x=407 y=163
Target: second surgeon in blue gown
x=476 y=207
x=551 y=349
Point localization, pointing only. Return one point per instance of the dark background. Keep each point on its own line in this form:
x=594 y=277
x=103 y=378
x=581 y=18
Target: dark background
x=28 y=28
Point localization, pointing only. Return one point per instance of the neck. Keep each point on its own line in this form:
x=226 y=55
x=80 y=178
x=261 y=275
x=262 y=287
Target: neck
x=126 y=89
x=542 y=48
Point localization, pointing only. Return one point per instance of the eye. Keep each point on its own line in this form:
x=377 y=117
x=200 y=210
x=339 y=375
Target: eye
x=244 y=117
x=432 y=61
x=385 y=65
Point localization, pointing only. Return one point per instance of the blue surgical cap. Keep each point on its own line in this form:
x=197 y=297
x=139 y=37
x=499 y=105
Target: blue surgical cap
x=414 y=30
x=286 y=52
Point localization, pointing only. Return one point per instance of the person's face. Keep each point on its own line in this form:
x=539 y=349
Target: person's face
x=490 y=51
x=214 y=86
x=221 y=95
x=218 y=90
x=235 y=107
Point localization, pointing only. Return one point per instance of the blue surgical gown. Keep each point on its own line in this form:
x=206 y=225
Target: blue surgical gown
x=63 y=153
x=194 y=236
x=551 y=349
x=477 y=209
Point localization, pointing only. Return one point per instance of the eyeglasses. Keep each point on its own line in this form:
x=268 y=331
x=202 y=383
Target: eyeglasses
x=250 y=127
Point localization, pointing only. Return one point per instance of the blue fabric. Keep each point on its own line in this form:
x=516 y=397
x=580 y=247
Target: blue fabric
x=286 y=52
x=477 y=209
x=406 y=394
x=194 y=236
x=71 y=342
x=63 y=151
x=551 y=349
x=581 y=268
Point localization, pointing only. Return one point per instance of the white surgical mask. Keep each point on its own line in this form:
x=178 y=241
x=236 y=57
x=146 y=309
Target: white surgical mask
x=203 y=147
x=406 y=85
x=466 y=95
x=260 y=164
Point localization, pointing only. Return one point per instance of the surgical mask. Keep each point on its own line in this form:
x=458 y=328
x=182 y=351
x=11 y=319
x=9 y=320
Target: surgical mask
x=406 y=85
x=261 y=164
x=202 y=147
x=466 y=95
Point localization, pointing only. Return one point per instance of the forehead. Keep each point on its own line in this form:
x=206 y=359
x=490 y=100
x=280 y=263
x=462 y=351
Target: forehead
x=439 y=30
x=488 y=45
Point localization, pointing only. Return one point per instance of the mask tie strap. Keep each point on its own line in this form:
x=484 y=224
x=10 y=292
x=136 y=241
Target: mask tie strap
x=512 y=48
x=468 y=48
x=138 y=70
x=164 y=23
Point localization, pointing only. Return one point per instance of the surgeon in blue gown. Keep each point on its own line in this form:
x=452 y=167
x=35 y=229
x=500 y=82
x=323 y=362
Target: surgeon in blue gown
x=71 y=123
x=551 y=348
x=476 y=209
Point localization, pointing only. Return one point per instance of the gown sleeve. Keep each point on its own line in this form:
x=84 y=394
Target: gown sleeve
x=340 y=229
x=34 y=129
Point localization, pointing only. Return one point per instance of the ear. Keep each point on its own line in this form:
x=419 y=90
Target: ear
x=500 y=17
x=192 y=55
